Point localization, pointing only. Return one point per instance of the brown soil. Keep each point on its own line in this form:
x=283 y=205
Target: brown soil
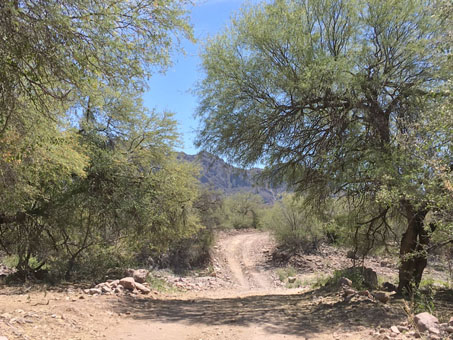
x=245 y=301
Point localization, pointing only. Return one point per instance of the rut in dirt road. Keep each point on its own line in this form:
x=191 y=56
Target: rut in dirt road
x=245 y=258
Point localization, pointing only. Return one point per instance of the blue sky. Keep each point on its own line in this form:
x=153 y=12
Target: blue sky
x=172 y=91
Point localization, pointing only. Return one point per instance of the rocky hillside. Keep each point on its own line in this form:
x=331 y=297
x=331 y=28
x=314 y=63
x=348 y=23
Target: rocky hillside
x=219 y=175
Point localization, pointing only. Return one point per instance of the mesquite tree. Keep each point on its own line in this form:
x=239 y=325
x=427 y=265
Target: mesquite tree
x=330 y=94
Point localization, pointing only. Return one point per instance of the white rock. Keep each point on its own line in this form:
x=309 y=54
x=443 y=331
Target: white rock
x=291 y=279
x=395 y=330
x=427 y=322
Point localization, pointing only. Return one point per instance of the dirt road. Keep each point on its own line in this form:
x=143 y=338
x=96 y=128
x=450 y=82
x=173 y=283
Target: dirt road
x=256 y=307
x=244 y=256
x=243 y=300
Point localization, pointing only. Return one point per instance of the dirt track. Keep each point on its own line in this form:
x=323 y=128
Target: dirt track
x=257 y=307
x=250 y=303
x=244 y=257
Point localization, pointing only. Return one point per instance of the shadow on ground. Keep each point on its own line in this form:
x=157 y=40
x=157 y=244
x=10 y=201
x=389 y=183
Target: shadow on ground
x=301 y=314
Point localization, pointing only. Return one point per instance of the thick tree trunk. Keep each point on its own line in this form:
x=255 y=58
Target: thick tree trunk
x=413 y=250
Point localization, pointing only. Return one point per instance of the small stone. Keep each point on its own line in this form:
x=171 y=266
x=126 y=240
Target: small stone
x=94 y=291
x=3 y=338
x=291 y=279
x=395 y=330
x=449 y=329
x=451 y=321
x=365 y=293
x=403 y=328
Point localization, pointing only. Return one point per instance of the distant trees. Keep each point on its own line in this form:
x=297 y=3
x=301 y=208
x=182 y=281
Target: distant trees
x=341 y=99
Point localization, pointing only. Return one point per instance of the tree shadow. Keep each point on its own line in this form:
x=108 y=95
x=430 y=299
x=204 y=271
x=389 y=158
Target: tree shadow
x=302 y=314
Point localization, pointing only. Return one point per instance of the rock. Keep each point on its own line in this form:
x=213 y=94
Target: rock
x=451 y=321
x=365 y=293
x=427 y=322
x=3 y=338
x=142 y=288
x=291 y=279
x=140 y=275
x=106 y=289
x=403 y=328
x=351 y=254
x=345 y=281
x=370 y=278
x=449 y=329
x=128 y=283
x=93 y=291
x=381 y=297
x=395 y=330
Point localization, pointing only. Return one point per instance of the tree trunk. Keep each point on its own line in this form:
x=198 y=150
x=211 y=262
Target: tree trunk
x=413 y=250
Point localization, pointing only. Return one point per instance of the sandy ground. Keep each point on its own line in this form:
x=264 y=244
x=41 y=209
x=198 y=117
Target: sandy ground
x=254 y=305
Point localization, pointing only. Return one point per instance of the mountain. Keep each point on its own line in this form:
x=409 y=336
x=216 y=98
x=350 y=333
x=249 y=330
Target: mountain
x=219 y=175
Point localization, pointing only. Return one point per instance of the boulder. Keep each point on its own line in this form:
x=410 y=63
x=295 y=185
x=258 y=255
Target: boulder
x=3 y=338
x=451 y=321
x=345 y=281
x=427 y=322
x=381 y=297
x=140 y=275
x=142 y=288
x=370 y=278
x=449 y=329
x=128 y=283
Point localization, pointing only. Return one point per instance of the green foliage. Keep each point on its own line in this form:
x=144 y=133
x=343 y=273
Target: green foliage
x=296 y=227
x=354 y=275
x=88 y=177
x=284 y=273
x=159 y=284
x=210 y=208
x=341 y=99
x=242 y=210
x=422 y=300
